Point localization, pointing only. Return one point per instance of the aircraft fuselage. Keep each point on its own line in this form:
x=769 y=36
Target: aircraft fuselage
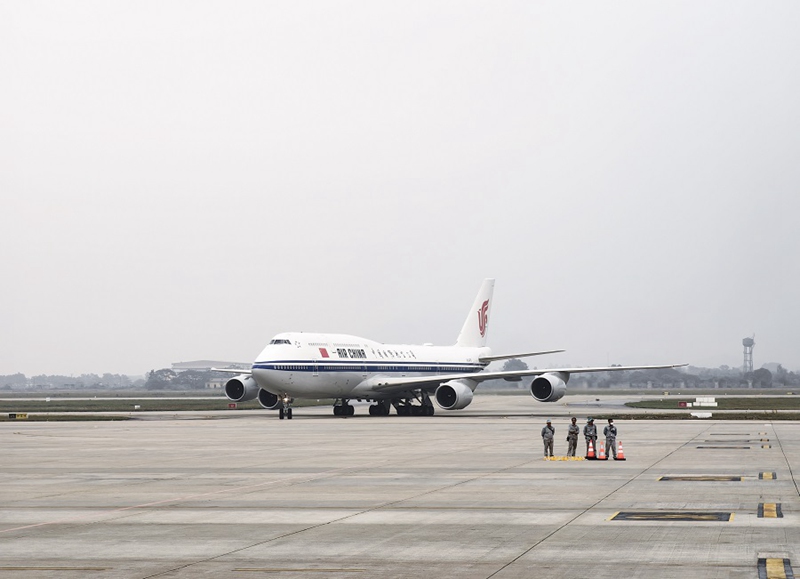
x=343 y=366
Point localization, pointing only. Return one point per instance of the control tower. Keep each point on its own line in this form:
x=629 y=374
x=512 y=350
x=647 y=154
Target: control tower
x=748 y=344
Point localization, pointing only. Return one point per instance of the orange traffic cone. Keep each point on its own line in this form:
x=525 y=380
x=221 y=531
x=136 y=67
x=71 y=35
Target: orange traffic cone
x=590 y=455
x=602 y=455
x=620 y=454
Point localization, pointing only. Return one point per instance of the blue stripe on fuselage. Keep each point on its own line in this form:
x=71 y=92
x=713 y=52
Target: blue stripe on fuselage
x=372 y=367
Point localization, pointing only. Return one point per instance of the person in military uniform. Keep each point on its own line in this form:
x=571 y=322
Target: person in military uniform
x=590 y=434
x=548 y=434
x=611 y=438
x=572 y=437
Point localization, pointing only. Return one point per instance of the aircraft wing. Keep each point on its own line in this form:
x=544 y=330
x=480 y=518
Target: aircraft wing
x=387 y=383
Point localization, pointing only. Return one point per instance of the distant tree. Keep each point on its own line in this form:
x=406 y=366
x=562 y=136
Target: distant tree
x=194 y=379
x=160 y=379
x=17 y=379
x=514 y=364
x=762 y=378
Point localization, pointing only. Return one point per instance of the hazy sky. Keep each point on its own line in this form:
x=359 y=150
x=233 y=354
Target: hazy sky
x=183 y=180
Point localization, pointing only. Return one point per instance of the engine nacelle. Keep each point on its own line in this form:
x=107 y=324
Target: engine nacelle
x=268 y=400
x=549 y=387
x=242 y=388
x=454 y=395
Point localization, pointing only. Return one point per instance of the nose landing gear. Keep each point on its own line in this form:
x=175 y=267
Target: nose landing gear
x=285 y=411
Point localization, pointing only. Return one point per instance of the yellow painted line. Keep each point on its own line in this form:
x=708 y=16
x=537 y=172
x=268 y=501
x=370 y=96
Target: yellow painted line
x=770 y=511
x=766 y=476
x=775 y=569
x=766 y=446
x=765 y=440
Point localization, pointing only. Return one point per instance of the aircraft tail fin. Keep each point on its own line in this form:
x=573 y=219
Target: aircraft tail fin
x=476 y=326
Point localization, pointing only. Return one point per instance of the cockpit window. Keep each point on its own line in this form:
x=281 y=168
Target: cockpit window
x=276 y=341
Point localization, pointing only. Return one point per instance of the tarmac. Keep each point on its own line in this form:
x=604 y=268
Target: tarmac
x=462 y=494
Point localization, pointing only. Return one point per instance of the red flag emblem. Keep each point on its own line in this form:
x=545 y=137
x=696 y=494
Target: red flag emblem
x=324 y=353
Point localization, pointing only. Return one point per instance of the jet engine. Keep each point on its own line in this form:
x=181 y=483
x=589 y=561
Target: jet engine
x=241 y=388
x=454 y=395
x=549 y=387
x=268 y=400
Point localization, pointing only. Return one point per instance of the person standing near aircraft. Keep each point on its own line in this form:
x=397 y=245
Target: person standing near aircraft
x=572 y=437
x=611 y=438
x=548 y=434
x=590 y=433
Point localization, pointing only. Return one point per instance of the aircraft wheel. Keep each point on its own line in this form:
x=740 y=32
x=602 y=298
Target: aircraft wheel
x=350 y=410
x=337 y=410
x=373 y=410
x=280 y=414
x=429 y=410
x=289 y=413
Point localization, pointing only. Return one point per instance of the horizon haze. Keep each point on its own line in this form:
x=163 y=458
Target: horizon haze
x=184 y=180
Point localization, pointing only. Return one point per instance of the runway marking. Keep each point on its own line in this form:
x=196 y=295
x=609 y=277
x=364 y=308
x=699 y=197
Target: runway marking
x=702 y=478
x=257 y=570
x=767 y=476
x=55 y=568
x=770 y=511
x=774 y=568
x=739 y=440
x=102 y=513
x=766 y=446
x=723 y=517
x=731 y=434
x=386 y=505
x=727 y=447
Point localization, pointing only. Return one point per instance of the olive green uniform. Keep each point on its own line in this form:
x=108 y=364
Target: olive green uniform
x=590 y=434
x=572 y=438
x=548 y=433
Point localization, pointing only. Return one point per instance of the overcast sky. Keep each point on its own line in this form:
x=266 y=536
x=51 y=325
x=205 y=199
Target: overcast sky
x=183 y=180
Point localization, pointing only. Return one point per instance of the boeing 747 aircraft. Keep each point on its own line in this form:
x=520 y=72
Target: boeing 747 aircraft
x=406 y=377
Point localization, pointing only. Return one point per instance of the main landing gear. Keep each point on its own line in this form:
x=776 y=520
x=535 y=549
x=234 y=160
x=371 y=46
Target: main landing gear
x=342 y=408
x=406 y=406
x=419 y=404
x=285 y=411
x=380 y=409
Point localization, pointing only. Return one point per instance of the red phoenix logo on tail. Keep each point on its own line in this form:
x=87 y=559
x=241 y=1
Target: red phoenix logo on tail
x=482 y=318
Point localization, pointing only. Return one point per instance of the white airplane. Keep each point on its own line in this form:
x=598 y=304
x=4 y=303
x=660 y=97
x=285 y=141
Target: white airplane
x=342 y=367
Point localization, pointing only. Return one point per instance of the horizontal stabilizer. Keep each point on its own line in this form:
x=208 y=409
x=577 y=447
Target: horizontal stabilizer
x=231 y=370
x=525 y=355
